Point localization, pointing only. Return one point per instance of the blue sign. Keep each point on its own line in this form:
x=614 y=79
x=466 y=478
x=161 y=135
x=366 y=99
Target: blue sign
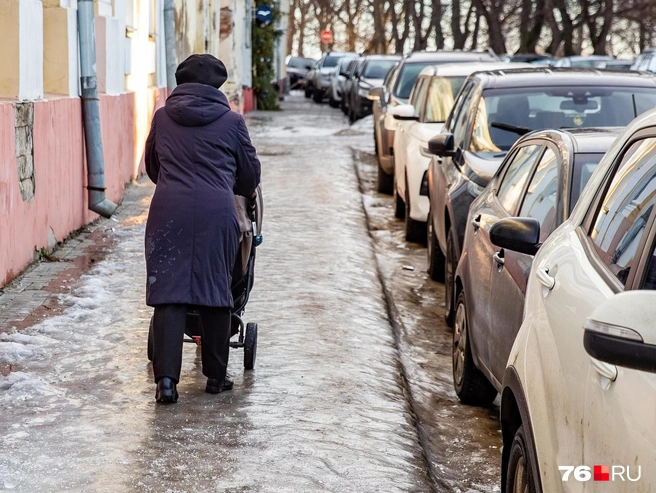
x=264 y=13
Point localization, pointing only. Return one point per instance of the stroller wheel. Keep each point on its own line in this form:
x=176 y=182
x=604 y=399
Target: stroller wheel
x=150 y=340
x=250 y=346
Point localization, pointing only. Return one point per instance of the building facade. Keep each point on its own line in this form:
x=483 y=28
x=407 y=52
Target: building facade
x=42 y=158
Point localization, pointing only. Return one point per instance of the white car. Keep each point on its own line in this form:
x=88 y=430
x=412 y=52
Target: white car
x=579 y=390
x=416 y=123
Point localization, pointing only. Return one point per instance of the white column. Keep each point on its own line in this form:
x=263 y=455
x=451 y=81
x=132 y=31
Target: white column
x=30 y=51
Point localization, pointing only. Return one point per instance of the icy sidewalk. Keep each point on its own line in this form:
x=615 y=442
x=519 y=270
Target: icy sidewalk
x=324 y=409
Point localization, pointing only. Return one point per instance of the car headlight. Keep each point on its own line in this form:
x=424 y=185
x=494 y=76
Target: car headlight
x=474 y=188
x=364 y=91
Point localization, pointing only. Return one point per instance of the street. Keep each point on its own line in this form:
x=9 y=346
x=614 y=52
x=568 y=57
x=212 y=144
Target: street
x=352 y=387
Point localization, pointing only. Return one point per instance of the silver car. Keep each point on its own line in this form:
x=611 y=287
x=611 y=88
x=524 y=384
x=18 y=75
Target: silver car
x=338 y=81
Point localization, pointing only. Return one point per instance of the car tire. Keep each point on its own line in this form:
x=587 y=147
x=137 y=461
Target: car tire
x=519 y=476
x=435 y=256
x=317 y=96
x=308 y=92
x=399 y=205
x=415 y=231
x=384 y=182
x=342 y=105
x=450 y=264
x=333 y=103
x=470 y=384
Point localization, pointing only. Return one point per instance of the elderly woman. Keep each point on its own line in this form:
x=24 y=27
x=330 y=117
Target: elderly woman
x=200 y=155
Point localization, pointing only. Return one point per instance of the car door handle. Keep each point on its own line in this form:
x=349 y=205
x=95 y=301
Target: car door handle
x=499 y=258
x=476 y=222
x=604 y=369
x=545 y=279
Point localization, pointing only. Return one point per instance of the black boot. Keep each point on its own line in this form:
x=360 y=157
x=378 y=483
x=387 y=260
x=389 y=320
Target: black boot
x=215 y=387
x=166 y=391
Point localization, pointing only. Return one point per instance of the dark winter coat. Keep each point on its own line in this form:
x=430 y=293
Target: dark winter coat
x=200 y=155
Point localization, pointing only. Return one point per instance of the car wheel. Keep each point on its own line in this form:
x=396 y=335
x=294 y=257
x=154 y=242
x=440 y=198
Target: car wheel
x=318 y=96
x=450 y=264
x=333 y=103
x=415 y=231
x=435 y=255
x=342 y=105
x=308 y=92
x=470 y=384
x=519 y=478
x=399 y=205
x=384 y=182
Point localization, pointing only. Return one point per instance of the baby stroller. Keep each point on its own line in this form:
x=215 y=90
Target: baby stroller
x=249 y=212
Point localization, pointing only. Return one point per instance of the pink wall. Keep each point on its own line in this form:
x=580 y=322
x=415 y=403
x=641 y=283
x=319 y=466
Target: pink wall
x=60 y=200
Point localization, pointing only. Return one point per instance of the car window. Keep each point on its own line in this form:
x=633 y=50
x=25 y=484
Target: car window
x=460 y=99
x=389 y=78
x=377 y=69
x=331 y=61
x=441 y=97
x=516 y=176
x=620 y=223
x=503 y=115
x=352 y=66
x=584 y=165
x=651 y=66
x=540 y=198
x=407 y=77
x=418 y=92
x=461 y=120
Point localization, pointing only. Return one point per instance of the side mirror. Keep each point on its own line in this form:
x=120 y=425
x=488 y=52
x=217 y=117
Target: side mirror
x=375 y=94
x=621 y=331
x=519 y=234
x=404 y=112
x=442 y=145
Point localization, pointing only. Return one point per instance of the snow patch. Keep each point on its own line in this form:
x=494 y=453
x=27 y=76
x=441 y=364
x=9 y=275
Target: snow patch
x=365 y=124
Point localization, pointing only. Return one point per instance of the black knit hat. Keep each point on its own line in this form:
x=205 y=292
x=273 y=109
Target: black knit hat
x=202 y=69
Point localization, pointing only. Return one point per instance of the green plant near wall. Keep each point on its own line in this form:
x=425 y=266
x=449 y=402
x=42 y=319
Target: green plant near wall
x=264 y=42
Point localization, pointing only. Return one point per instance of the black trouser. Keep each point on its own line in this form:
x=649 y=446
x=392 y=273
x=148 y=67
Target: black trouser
x=169 y=324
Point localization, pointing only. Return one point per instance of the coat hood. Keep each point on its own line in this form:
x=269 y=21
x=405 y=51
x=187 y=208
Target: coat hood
x=196 y=105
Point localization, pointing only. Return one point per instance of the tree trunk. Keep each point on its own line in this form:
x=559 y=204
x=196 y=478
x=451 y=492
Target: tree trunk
x=291 y=26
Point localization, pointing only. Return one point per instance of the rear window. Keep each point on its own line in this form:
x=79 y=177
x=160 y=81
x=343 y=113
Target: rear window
x=331 y=61
x=300 y=63
x=407 y=77
x=584 y=166
x=377 y=69
x=506 y=114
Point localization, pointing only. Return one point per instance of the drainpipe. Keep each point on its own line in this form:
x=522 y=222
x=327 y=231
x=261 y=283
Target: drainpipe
x=98 y=203
x=169 y=40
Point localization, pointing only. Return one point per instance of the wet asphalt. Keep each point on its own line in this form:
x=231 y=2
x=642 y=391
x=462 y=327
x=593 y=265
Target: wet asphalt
x=351 y=389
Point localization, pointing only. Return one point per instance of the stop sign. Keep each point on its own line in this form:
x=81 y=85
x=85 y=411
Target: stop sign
x=326 y=37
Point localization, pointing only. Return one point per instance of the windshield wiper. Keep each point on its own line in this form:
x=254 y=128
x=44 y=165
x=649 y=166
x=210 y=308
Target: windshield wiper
x=511 y=128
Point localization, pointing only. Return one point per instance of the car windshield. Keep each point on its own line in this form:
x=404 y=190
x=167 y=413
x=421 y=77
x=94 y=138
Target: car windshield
x=584 y=165
x=504 y=115
x=331 y=61
x=300 y=62
x=441 y=97
x=407 y=77
x=377 y=69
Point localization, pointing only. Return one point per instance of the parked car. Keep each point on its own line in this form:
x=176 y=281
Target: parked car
x=616 y=65
x=579 y=388
x=591 y=61
x=491 y=112
x=320 y=79
x=541 y=178
x=645 y=61
x=396 y=90
x=308 y=84
x=338 y=81
x=297 y=69
x=532 y=58
x=420 y=120
x=370 y=73
x=350 y=75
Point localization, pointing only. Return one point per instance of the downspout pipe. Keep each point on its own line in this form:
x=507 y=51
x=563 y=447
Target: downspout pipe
x=169 y=44
x=98 y=203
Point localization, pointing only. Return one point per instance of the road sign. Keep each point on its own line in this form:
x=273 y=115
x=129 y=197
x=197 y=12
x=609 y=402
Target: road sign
x=264 y=13
x=326 y=36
